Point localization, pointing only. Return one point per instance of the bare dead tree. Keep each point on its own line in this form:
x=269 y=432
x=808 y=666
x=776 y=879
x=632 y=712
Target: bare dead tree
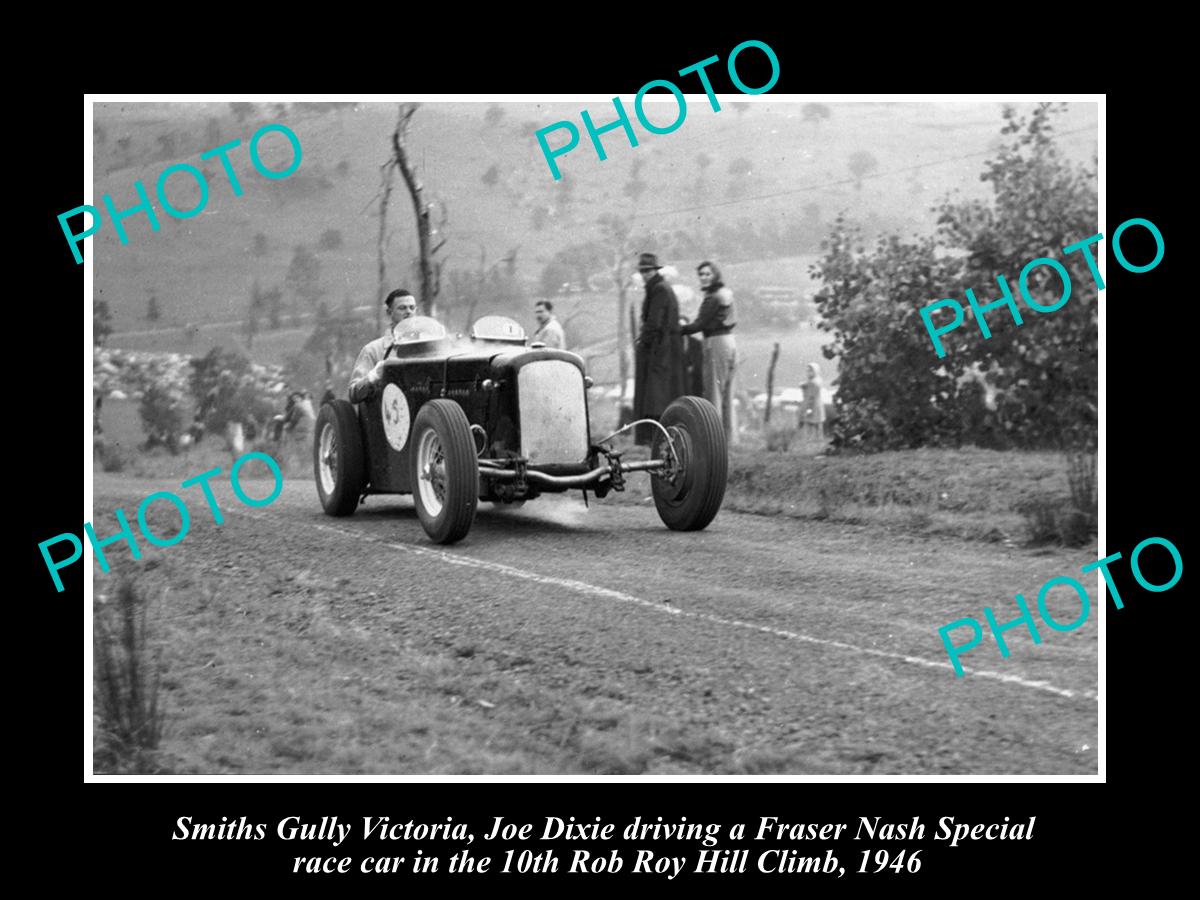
x=421 y=209
x=429 y=265
x=386 y=173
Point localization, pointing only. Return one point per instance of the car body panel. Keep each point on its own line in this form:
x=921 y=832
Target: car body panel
x=534 y=407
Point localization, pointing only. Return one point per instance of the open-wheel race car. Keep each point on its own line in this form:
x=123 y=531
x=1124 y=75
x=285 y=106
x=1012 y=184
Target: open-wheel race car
x=489 y=417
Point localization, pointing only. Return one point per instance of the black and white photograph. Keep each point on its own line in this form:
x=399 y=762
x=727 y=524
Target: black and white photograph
x=731 y=435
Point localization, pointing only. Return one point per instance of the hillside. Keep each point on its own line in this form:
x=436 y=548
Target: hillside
x=767 y=162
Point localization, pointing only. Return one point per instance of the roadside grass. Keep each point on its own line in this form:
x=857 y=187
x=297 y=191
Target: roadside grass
x=1018 y=497
x=294 y=456
x=286 y=682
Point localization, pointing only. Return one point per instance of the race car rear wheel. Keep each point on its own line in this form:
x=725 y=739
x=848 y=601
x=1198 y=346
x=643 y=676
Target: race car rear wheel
x=339 y=466
x=444 y=471
x=691 y=499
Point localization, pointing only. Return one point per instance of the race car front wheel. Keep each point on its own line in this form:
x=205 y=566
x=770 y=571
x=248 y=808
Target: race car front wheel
x=444 y=473
x=339 y=466
x=690 y=498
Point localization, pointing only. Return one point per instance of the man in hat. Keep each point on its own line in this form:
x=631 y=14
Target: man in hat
x=368 y=368
x=659 y=358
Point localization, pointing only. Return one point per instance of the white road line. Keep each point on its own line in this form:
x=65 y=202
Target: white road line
x=583 y=587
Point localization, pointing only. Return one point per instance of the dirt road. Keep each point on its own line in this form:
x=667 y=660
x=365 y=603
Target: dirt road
x=561 y=639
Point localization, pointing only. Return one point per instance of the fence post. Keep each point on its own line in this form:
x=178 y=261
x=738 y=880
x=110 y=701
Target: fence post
x=770 y=384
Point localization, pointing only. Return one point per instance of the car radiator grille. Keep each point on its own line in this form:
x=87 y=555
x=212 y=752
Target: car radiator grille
x=553 y=404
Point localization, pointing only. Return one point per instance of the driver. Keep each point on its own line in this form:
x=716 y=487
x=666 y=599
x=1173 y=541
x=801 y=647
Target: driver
x=368 y=368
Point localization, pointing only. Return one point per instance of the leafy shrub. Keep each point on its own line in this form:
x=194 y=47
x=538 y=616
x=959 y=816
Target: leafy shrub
x=111 y=457
x=226 y=390
x=162 y=415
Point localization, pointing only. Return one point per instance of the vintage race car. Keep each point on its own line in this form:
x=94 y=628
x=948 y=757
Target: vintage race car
x=491 y=417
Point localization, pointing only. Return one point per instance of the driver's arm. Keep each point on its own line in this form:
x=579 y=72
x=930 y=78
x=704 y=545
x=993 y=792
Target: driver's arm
x=368 y=371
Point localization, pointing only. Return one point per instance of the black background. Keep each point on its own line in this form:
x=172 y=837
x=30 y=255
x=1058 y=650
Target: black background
x=1086 y=834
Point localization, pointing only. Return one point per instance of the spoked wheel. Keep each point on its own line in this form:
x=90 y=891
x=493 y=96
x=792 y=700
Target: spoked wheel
x=338 y=464
x=689 y=493
x=444 y=471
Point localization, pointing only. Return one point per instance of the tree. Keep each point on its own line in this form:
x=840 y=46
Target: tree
x=1046 y=371
x=814 y=112
x=493 y=116
x=242 y=111
x=497 y=285
x=304 y=275
x=564 y=192
x=272 y=302
x=166 y=145
x=253 y=313
x=861 y=163
x=492 y=176
x=427 y=243
x=893 y=390
x=616 y=233
x=260 y=244
x=153 y=313
x=331 y=239
x=161 y=412
x=889 y=394
x=224 y=388
x=555 y=274
x=101 y=322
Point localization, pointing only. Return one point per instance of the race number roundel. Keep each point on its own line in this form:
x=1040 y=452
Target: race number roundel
x=395 y=416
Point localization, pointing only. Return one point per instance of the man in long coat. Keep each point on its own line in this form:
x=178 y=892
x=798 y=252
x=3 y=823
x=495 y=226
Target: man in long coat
x=659 y=366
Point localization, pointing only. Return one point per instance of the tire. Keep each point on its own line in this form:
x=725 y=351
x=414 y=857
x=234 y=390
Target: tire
x=444 y=471
x=339 y=465
x=694 y=498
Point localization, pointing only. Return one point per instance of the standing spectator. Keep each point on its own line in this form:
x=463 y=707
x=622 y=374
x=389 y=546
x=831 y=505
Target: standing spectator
x=659 y=369
x=549 y=332
x=716 y=321
x=812 y=416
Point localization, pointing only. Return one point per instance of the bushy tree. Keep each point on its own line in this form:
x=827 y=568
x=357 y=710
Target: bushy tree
x=861 y=163
x=304 y=275
x=893 y=390
x=554 y=276
x=331 y=239
x=814 y=112
x=225 y=390
x=162 y=414
x=1045 y=371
